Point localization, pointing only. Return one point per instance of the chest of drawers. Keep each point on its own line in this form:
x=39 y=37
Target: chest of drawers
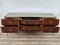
x=43 y=22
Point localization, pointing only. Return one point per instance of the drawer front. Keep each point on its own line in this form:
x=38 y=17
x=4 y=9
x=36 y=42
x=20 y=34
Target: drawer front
x=31 y=28
x=10 y=21
x=30 y=22
x=49 y=21
x=10 y=29
x=50 y=29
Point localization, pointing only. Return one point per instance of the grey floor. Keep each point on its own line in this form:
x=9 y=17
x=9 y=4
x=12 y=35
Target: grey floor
x=23 y=38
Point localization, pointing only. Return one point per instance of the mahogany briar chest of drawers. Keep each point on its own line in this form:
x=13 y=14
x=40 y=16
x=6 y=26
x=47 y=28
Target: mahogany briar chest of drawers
x=43 y=22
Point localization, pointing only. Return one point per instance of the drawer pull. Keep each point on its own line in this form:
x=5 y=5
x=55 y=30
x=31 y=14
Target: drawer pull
x=20 y=19
x=10 y=22
x=10 y=30
x=50 y=22
x=40 y=19
x=50 y=30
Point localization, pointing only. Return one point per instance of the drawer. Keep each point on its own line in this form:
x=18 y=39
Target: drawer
x=10 y=29
x=10 y=21
x=50 y=21
x=30 y=22
x=51 y=29
x=31 y=28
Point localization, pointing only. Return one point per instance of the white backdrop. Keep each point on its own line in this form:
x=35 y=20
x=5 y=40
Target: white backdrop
x=29 y=6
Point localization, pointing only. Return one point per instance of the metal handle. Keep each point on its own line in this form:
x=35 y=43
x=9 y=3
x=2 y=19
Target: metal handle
x=10 y=22
x=50 y=22
x=50 y=30
x=10 y=29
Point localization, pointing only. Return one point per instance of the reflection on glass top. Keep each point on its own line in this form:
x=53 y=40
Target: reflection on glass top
x=30 y=15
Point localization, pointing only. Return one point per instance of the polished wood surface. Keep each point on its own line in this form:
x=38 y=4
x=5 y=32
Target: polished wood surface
x=14 y=25
x=31 y=22
x=10 y=21
x=50 y=21
x=10 y=29
x=50 y=29
x=31 y=28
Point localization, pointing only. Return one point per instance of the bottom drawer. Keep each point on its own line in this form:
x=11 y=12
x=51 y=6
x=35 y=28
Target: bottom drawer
x=10 y=29
x=50 y=29
x=31 y=28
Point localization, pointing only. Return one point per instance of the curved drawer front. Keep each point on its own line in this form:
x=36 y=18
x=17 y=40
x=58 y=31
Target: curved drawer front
x=10 y=29
x=10 y=21
x=31 y=28
x=30 y=22
x=50 y=29
x=50 y=21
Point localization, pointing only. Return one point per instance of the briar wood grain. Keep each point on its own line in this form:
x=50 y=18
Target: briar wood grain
x=50 y=21
x=10 y=21
x=10 y=29
x=50 y=29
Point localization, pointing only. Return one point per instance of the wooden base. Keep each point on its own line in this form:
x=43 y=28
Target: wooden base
x=14 y=25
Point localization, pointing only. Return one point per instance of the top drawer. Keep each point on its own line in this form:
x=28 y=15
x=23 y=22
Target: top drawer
x=10 y=21
x=30 y=22
x=50 y=21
